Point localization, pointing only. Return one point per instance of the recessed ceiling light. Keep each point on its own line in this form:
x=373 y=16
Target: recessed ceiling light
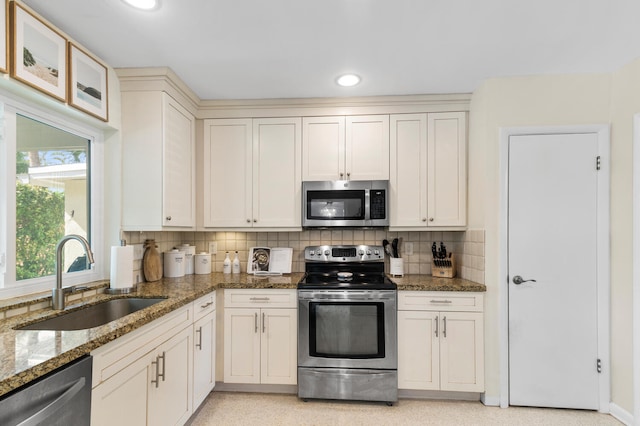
x=348 y=80
x=143 y=4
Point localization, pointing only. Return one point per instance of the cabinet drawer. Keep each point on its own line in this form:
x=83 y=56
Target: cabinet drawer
x=440 y=301
x=204 y=305
x=257 y=298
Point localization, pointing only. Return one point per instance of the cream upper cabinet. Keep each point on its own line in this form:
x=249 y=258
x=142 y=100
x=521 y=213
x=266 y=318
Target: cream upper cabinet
x=428 y=175
x=440 y=341
x=252 y=173
x=158 y=163
x=345 y=148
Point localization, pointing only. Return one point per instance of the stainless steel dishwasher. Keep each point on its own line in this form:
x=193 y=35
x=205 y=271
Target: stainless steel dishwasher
x=62 y=397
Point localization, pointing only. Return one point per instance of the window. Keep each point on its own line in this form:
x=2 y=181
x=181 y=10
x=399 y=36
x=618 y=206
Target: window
x=52 y=197
x=47 y=174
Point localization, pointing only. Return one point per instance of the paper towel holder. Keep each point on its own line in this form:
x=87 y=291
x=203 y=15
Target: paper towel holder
x=123 y=290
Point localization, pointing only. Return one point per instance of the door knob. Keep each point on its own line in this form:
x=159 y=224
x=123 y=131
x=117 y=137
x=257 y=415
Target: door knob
x=519 y=280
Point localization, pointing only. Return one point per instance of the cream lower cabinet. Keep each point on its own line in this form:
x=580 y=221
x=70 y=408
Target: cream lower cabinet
x=440 y=341
x=260 y=336
x=428 y=170
x=204 y=348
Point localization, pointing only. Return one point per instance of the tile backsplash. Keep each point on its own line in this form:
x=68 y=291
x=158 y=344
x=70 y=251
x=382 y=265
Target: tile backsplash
x=468 y=246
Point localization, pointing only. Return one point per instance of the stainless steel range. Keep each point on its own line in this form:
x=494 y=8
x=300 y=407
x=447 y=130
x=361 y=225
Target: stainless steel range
x=347 y=338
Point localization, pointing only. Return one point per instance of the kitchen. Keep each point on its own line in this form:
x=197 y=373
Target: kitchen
x=552 y=99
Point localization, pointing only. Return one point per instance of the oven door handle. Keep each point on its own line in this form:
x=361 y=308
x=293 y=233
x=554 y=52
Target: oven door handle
x=342 y=373
x=347 y=296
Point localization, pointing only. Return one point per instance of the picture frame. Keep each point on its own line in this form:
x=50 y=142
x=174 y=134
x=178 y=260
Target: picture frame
x=38 y=53
x=88 y=84
x=4 y=37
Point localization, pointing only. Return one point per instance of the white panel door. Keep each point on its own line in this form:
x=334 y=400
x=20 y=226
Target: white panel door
x=367 y=147
x=241 y=345
x=447 y=169
x=418 y=350
x=277 y=176
x=552 y=224
x=461 y=351
x=179 y=201
x=279 y=346
x=408 y=169
x=227 y=199
x=204 y=358
x=323 y=148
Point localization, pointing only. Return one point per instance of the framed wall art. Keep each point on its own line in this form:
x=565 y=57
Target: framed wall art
x=4 y=37
x=38 y=53
x=87 y=84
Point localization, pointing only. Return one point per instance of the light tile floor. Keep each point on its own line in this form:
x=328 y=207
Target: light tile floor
x=235 y=408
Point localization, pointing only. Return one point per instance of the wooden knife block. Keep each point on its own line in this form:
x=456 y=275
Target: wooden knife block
x=448 y=271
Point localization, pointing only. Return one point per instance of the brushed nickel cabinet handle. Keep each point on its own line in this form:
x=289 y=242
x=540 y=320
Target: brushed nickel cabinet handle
x=157 y=364
x=199 y=344
x=441 y=301
x=164 y=365
x=436 y=326
x=255 y=322
x=206 y=305
x=263 y=323
x=444 y=329
x=263 y=299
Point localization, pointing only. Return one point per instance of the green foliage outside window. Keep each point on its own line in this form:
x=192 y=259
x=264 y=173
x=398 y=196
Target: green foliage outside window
x=39 y=226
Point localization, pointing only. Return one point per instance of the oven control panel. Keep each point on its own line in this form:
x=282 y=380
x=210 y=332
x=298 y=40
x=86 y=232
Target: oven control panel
x=344 y=253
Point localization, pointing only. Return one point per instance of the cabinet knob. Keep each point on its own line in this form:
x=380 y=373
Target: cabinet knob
x=248 y=220
x=341 y=175
x=348 y=175
x=430 y=219
x=255 y=220
x=168 y=217
x=424 y=219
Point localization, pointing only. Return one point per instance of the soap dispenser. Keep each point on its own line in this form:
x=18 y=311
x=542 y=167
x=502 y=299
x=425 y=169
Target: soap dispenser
x=226 y=265
x=236 y=264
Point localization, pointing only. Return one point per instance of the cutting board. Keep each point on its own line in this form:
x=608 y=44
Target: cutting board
x=151 y=263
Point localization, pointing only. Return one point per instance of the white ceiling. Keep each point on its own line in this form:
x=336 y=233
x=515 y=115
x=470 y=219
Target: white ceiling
x=251 y=49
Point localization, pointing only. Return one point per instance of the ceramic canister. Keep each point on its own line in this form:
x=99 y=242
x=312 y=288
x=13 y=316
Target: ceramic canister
x=203 y=263
x=189 y=253
x=174 y=261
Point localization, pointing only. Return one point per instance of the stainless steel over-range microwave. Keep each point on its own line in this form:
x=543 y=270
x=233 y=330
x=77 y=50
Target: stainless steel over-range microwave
x=345 y=203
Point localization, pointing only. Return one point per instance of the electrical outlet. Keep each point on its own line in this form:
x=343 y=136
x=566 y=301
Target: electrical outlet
x=138 y=251
x=213 y=247
x=408 y=249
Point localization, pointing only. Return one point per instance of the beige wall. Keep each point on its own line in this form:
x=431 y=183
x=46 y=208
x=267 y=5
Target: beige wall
x=547 y=101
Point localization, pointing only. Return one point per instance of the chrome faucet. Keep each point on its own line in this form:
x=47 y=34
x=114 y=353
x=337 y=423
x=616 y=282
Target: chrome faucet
x=57 y=294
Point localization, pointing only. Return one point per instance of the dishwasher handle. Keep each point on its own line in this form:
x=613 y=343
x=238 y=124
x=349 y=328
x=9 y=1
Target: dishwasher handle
x=47 y=412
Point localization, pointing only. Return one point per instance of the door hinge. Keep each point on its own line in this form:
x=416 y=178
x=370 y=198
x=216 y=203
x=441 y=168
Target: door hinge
x=598 y=163
x=599 y=365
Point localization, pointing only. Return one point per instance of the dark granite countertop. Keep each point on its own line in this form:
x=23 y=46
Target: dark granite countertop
x=29 y=354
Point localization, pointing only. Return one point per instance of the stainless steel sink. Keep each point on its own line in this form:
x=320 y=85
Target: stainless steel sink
x=93 y=315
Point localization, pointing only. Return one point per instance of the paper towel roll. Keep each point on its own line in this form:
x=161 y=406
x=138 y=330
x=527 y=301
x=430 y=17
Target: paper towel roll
x=121 y=267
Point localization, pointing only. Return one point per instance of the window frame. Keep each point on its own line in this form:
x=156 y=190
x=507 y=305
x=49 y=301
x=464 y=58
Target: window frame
x=9 y=287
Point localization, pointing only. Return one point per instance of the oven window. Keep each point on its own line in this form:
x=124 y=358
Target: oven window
x=346 y=330
x=338 y=205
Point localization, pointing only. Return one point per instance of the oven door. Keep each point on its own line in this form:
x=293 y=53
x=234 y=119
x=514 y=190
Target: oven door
x=347 y=329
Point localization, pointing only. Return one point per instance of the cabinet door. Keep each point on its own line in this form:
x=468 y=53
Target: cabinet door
x=367 y=147
x=323 y=148
x=408 y=170
x=462 y=352
x=171 y=399
x=241 y=345
x=179 y=171
x=418 y=350
x=122 y=399
x=204 y=358
x=279 y=346
x=227 y=173
x=447 y=169
x=277 y=176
